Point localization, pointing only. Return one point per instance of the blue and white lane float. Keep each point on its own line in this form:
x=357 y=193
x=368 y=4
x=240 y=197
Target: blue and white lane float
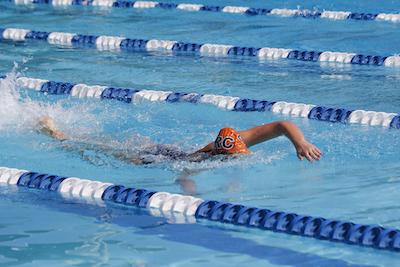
x=166 y=204
x=231 y=103
x=114 y=43
x=282 y=12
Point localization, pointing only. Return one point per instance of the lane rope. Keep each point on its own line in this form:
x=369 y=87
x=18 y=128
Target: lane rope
x=115 y=43
x=192 y=208
x=231 y=103
x=251 y=11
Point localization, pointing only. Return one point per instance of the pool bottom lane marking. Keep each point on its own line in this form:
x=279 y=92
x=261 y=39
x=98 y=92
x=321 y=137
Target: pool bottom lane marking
x=128 y=95
x=116 y=43
x=159 y=203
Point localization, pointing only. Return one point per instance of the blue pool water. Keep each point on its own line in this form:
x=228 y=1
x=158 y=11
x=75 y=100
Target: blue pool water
x=357 y=179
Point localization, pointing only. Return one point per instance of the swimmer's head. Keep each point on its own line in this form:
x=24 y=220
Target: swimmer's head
x=229 y=141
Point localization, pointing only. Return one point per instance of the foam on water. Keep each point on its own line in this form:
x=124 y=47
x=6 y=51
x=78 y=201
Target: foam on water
x=258 y=157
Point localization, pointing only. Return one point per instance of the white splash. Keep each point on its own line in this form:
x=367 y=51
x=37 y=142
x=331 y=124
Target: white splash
x=19 y=112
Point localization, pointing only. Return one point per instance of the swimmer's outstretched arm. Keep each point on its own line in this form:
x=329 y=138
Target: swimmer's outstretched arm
x=47 y=126
x=272 y=130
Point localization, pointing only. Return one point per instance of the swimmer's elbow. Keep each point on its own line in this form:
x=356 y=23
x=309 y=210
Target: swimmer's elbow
x=284 y=127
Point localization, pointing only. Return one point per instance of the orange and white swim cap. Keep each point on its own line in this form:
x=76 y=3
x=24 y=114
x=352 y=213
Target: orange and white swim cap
x=229 y=141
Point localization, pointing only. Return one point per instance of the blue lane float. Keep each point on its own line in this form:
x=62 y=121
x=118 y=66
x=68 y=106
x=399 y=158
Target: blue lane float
x=114 y=43
x=250 y=11
x=192 y=209
x=129 y=95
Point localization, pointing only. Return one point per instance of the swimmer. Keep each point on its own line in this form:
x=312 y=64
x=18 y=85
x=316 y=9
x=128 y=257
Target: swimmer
x=228 y=142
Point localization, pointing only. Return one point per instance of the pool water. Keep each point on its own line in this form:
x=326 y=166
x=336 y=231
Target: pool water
x=357 y=179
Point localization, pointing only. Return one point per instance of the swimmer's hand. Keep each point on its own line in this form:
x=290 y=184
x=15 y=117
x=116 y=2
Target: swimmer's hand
x=47 y=126
x=307 y=150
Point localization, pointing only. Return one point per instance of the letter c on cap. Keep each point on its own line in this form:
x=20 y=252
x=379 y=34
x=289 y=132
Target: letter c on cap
x=228 y=143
